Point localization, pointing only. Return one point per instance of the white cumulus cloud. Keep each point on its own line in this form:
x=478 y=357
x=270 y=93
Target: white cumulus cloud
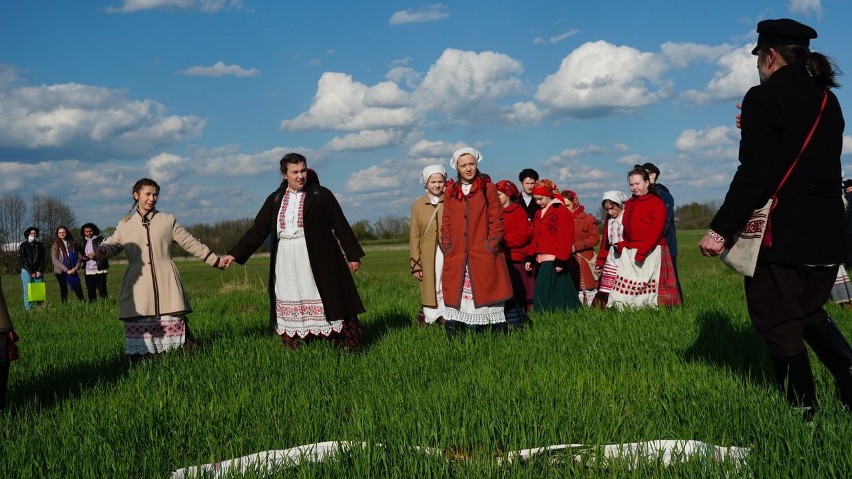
x=90 y=119
x=431 y=13
x=805 y=7
x=208 y=6
x=599 y=78
x=713 y=137
x=736 y=74
x=365 y=140
x=343 y=104
x=219 y=69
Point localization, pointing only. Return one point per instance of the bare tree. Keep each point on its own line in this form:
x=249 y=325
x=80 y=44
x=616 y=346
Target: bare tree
x=49 y=213
x=13 y=210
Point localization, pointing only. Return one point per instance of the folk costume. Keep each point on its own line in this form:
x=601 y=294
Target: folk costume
x=311 y=290
x=793 y=278
x=424 y=254
x=517 y=236
x=553 y=235
x=582 y=261
x=645 y=274
x=607 y=260
x=151 y=300
x=475 y=277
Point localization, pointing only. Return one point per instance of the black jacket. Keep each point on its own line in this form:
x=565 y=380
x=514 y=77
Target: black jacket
x=808 y=222
x=32 y=257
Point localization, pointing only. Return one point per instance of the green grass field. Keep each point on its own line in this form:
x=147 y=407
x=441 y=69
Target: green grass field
x=77 y=409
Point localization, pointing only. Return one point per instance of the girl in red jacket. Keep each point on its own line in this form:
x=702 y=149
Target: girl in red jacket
x=645 y=273
x=553 y=235
x=517 y=234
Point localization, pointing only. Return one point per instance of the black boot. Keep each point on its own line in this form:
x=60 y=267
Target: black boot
x=832 y=348
x=793 y=374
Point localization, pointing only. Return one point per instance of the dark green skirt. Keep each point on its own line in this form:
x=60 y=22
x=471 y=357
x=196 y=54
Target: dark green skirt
x=554 y=291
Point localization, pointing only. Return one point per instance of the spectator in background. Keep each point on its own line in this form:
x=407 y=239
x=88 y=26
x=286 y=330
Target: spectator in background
x=581 y=265
x=553 y=235
x=528 y=177
x=613 y=234
x=314 y=252
x=8 y=350
x=670 y=231
x=152 y=301
x=64 y=253
x=95 y=270
x=517 y=234
x=475 y=280
x=425 y=257
x=32 y=262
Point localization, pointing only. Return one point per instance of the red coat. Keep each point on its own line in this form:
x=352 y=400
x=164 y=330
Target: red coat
x=471 y=234
x=586 y=237
x=553 y=232
x=518 y=232
x=644 y=221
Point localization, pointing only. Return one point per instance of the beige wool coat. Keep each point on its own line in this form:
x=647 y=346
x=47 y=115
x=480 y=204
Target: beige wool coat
x=151 y=286
x=423 y=245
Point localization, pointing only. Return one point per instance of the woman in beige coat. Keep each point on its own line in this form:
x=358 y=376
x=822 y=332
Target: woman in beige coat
x=426 y=259
x=152 y=302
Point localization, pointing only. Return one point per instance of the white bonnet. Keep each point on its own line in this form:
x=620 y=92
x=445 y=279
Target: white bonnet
x=615 y=196
x=431 y=170
x=465 y=151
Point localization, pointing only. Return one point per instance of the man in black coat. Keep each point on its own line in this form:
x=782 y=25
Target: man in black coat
x=794 y=276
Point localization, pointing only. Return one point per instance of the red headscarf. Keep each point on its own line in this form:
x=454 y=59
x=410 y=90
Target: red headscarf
x=508 y=188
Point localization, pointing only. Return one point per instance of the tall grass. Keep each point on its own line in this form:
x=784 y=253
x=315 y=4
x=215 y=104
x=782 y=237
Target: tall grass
x=593 y=377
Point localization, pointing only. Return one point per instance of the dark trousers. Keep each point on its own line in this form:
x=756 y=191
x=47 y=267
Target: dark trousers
x=785 y=299
x=96 y=284
x=63 y=288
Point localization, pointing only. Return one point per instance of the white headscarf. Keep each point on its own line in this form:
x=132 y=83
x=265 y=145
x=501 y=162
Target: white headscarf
x=615 y=196
x=465 y=151
x=431 y=170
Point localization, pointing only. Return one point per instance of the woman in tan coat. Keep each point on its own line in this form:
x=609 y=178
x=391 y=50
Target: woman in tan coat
x=152 y=302
x=475 y=278
x=426 y=258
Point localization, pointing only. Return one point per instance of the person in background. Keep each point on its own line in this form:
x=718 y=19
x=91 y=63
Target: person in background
x=581 y=265
x=613 y=234
x=475 y=280
x=670 y=231
x=8 y=349
x=645 y=275
x=64 y=253
x=517 y=234
x=152 y=301
x=314 y=253
x=426 y=259
x=793 y=277
x=552 y=237
x=32 y=256
x=95 y=270
x=528 y=177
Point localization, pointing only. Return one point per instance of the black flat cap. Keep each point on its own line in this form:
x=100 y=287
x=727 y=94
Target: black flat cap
x=783 y=32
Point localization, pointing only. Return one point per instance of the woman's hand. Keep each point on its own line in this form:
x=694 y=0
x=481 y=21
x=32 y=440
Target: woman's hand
x=558 y=269
x=528 y=266
x=418 y=275
x=354 y=266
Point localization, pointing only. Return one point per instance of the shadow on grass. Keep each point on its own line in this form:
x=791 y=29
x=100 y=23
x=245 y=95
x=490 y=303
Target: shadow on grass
x=720 y=343
x=55 y=386
x=381 y=324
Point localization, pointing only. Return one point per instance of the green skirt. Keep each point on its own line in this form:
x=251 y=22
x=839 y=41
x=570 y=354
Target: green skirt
x=554 y=291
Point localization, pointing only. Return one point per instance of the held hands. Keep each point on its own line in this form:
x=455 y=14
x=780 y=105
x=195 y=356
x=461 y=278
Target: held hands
x=225 y=261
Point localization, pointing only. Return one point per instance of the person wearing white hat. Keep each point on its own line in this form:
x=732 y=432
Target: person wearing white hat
x=426 y=259
x=475 y=277
x=613 y=233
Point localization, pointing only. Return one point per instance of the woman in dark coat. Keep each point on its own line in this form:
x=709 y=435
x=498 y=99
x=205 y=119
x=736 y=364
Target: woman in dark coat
x=311 y=290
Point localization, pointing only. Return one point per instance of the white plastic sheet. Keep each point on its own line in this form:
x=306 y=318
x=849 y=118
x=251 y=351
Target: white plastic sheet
x=665 y=451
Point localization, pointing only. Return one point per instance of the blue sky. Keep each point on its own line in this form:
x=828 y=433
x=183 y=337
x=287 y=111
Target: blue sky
x=206 y=96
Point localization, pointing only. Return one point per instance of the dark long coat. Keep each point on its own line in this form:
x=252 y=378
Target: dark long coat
x=324 y=225
x=809 y=221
